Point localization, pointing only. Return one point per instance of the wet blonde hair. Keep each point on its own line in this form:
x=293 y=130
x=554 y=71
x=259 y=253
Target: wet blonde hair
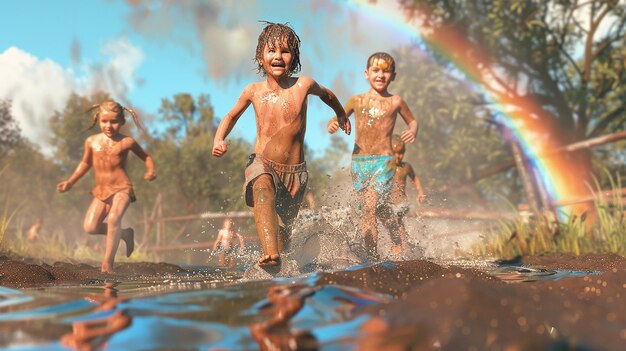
x=114 y=106
x=276 y=32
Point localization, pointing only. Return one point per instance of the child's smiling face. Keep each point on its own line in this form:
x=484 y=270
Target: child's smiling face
x=110 y=123
x=277 y=59
x=379 y=74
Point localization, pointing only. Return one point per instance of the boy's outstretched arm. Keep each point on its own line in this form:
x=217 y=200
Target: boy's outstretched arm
x=82 y=168
x=418 y=185
x=147 y=160
x=228 y=122
x=408 y=136
x=330 y=99
x=333 y=124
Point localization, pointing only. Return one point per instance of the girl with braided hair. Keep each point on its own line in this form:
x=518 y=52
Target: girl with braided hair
x=106 y=152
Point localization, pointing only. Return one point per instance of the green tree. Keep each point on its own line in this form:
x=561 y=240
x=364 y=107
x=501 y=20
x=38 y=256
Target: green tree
x=183 y=155
x=10 y=133
x=567 y=55
x=70 y=128
x=454 y=143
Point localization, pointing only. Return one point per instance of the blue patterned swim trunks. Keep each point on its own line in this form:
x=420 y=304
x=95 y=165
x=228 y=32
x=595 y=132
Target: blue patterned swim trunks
x=373 y=172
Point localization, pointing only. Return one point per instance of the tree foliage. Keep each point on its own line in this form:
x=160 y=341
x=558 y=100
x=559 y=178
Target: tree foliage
x=566 y=55
x=10 y=133
x=187 y=171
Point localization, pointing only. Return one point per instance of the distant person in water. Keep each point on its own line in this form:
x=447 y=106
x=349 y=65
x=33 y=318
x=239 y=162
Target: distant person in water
x=107 y=152
x=276 y=175
x=399 y=200
x=33 y=232
x=228 y=241
x=373 y=164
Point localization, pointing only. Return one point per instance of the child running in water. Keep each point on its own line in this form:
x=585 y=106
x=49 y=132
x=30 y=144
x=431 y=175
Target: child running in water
x=373 y=164
x=227 y=242
x=276 y=175
x=399 y=200
x=107 y=152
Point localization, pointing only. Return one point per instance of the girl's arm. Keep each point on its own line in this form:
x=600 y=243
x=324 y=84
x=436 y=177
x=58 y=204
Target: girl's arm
x=228 y=122
x=147 y=160
x=82 y=168
x=408 y=136
x=217 y=240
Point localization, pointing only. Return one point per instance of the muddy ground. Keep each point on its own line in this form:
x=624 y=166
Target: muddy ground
x=438 y=306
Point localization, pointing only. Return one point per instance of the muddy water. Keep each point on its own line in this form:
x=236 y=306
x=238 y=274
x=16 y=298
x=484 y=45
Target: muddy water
x=205 y=309
x=324 y=297
x=181 y=312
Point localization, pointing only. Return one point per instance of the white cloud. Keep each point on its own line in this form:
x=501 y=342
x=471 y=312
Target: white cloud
x=224 y=31
x=37 y=87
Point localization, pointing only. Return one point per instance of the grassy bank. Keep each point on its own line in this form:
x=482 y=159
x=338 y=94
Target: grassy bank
x=603 y=231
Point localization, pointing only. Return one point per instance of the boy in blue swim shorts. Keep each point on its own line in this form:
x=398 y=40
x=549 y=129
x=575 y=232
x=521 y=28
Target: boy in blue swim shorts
x=373 y=163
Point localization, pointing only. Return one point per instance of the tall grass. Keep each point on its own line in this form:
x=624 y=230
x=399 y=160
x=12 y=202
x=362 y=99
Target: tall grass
x=57 y=246
x=603 y=232
x=7 y=213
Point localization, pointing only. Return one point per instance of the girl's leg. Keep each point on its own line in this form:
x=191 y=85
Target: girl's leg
x=94 y=218
x=119 y=205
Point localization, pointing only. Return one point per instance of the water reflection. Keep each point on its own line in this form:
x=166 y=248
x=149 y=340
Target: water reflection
x=276 y=333
x=93 y=333
x=280 y=314
x=515 y=274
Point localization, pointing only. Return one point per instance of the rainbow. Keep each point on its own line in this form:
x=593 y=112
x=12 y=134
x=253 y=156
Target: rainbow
x=561 y=178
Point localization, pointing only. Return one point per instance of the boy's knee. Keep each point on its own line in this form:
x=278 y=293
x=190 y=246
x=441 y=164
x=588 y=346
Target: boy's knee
x=263 y=191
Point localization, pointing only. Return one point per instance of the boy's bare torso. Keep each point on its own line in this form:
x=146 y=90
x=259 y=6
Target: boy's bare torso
x=229 y=238
x=108 y=159
x=374 y=117
x=398 y=190
x=281 y=120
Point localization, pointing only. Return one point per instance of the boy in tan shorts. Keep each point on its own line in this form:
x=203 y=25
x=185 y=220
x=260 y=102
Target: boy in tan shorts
x=276 y=174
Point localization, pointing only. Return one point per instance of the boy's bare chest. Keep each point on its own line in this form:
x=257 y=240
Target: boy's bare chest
x=402 y=173
x=281 y=105
x=372 y=111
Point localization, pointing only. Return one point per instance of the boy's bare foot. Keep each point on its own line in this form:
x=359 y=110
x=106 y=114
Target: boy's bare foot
x=128 y=235
x=269 y=260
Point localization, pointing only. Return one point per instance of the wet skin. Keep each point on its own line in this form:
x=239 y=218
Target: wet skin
x=280 y=106
x=106 y=153
x=375 y=113
x=228 y=238
x=398 y=194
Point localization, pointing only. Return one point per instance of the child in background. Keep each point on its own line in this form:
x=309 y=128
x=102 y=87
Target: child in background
x=399 y=199
x=227 y=242
x=276 y=175
x=107 y=152
x=373 y=164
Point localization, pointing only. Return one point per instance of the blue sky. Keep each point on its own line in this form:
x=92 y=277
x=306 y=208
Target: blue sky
x=143 y=51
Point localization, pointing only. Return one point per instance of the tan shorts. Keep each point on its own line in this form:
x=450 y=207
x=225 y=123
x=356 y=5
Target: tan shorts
x=104 y=193
x=288 y=180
